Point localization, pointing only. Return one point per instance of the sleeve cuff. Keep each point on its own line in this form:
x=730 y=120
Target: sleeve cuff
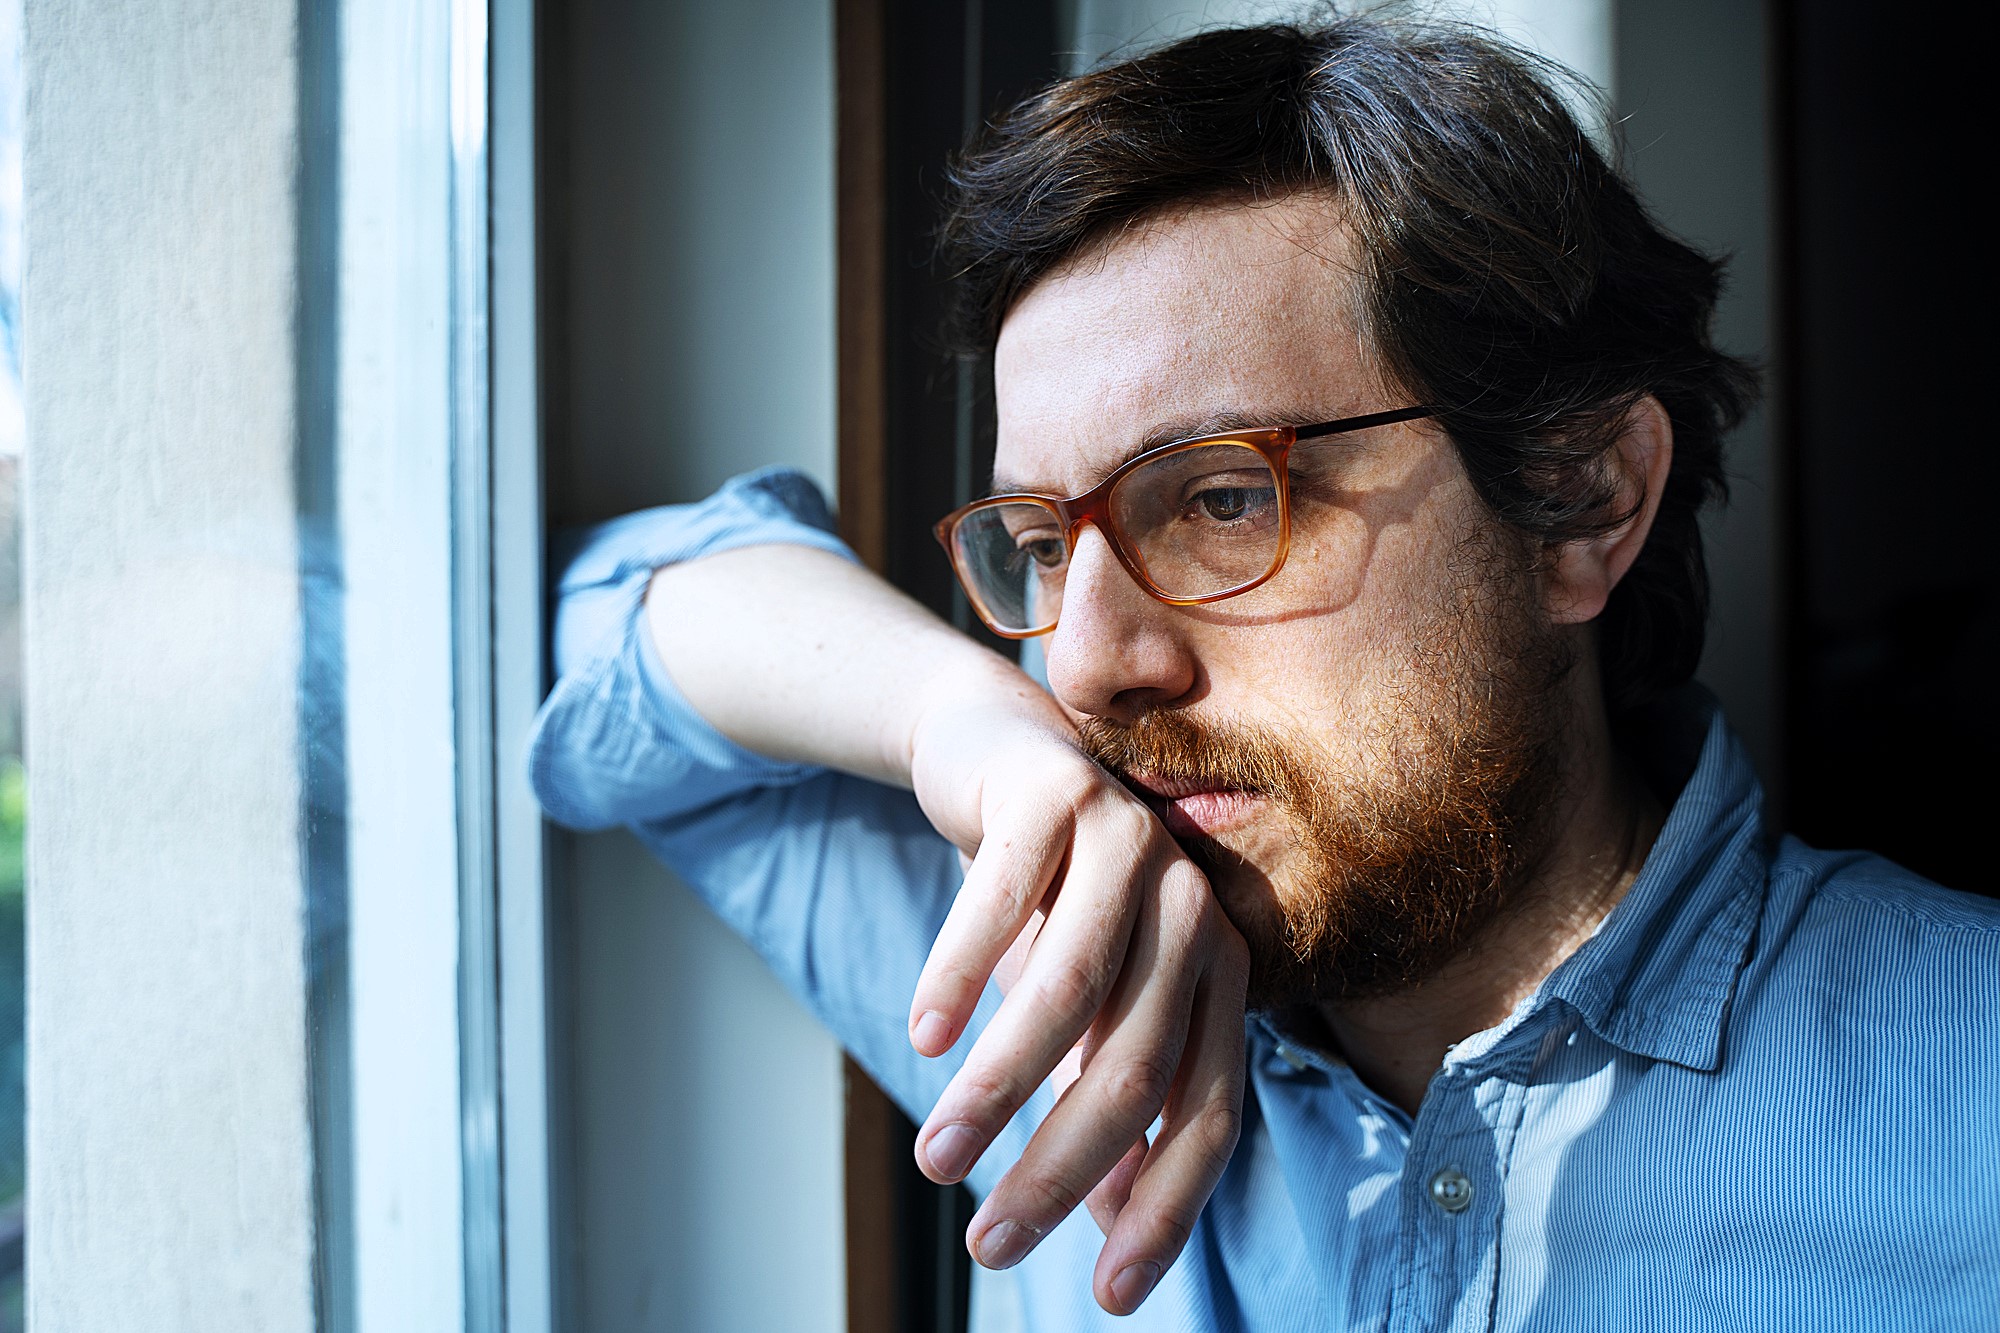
x=616 y=742
x=773 y=507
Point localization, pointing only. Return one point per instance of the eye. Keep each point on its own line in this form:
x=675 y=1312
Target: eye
x=1035 y=541
x=1046 y=552
x=1223 y=503
x=1227 y=503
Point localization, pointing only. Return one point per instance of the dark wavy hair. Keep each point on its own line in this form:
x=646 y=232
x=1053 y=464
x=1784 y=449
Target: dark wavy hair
x=1510 y=275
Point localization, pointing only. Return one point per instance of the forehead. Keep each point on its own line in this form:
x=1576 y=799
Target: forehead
x=1224 y=310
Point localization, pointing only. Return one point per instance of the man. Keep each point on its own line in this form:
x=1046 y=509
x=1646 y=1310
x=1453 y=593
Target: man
x=1400 y=928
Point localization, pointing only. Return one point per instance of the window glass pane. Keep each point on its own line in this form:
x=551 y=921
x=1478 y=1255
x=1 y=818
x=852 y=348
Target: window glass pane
x=423 y=597
x=13 y=1174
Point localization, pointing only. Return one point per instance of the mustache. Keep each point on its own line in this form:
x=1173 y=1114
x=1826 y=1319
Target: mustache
x=1174 y=747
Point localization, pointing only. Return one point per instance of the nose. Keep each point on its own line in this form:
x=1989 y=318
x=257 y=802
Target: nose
x=1115 y=652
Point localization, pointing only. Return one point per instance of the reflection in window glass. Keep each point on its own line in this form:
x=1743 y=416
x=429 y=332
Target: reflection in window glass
x=13 y=1159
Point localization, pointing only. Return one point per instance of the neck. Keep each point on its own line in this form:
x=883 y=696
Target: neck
x=1594 y=852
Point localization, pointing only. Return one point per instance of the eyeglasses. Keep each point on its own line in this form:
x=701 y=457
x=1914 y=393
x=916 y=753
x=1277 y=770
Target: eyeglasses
x=1192 y=522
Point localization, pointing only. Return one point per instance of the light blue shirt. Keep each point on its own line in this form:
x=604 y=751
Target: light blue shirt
x=1764 y=1095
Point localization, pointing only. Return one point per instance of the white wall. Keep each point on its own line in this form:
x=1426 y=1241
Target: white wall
x=168 y=1145
x=696 y=340
x=1576 y=33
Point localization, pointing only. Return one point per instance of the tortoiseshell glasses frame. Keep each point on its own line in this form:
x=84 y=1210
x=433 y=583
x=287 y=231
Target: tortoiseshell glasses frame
x=1097 y=506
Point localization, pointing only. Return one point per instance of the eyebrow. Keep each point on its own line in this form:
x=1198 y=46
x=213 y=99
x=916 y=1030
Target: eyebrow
x=1170 y=431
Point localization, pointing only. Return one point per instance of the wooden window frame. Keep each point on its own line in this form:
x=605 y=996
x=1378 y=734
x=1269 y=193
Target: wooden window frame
x=912 y=79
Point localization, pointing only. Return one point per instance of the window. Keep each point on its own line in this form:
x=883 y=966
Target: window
x=13 y=779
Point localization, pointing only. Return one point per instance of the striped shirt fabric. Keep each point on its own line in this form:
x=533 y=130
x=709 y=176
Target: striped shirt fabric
x=1764 y=1095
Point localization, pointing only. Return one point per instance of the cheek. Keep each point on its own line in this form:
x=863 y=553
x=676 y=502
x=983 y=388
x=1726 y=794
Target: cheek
x=1390 y=599
x=1368 y=554
x=1311 y=677
x=1327 y=568
x=1332 y=646
x=1337 y=671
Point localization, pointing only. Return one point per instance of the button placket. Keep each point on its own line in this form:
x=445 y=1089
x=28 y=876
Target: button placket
x=1452 y=1195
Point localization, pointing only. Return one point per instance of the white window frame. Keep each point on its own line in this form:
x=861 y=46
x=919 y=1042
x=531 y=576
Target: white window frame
x=440 y=505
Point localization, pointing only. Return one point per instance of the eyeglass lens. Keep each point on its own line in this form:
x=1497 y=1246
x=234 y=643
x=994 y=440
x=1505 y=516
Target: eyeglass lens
x=1197 y=521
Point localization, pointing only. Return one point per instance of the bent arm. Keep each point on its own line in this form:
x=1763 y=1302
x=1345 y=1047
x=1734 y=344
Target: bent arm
x=710 y=650
x=838 y=881
x=800 y=655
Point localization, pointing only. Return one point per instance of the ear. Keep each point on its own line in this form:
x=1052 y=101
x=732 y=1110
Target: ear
x=1579 y=580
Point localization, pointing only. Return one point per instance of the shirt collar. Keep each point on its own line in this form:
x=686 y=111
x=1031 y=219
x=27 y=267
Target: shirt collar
x=1657 y=977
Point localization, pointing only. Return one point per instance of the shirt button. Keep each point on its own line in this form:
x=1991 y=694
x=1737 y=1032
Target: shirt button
x=1291 y=1057
x=1451 y=1191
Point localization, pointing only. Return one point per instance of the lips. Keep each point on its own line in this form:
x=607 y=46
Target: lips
x=1194 y=807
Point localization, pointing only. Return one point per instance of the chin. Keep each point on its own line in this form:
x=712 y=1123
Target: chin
x=1260 y=899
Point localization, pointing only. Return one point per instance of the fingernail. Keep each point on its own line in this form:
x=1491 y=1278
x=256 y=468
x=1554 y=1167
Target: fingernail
x=1133 y=1284
x=1006 y=1244
x=933 y=1032
x=952 y=1149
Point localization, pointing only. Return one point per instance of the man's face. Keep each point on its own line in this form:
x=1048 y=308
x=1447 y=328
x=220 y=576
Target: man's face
x=1355 y=750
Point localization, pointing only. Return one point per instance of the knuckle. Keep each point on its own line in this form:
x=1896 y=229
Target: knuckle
x=987 y=1097
x=1137 y=1086
x=1184 y=887
x=1190 y=907
x=953 y=983
x=1051 y=1196
x=1184 y=878
x=1022 y=814
x=1007 y=889
x=1074 y=789
x=1097 y=795
x=1172 y=1221
x=1014 y=895
x=1070 y=992
x=1228 y=952
x=1214 y=1133
x=1143 y=827
x=1234 y=954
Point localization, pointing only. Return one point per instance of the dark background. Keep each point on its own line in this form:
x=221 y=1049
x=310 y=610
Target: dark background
x=1883 y=375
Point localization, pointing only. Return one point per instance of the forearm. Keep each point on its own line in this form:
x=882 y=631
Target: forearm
x=797 y=654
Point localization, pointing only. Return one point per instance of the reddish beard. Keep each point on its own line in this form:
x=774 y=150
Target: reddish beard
x=1395 y=871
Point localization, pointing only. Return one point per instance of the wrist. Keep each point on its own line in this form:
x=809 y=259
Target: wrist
x=981 y=691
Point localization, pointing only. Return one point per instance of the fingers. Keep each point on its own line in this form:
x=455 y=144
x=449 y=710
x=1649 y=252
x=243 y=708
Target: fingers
x=1123 y=965
x=1015 y=961
x=1003 y=887
x=1108 y=1199
x=1136 y=1061
x=1070 y=1070
x=1078 y=955
x=1198 y=1133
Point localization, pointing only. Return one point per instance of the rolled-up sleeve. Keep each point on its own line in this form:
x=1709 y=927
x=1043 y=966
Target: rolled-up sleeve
x=616 y=743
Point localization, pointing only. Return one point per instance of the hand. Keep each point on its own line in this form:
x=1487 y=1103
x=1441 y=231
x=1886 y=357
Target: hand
x=1115 y=954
